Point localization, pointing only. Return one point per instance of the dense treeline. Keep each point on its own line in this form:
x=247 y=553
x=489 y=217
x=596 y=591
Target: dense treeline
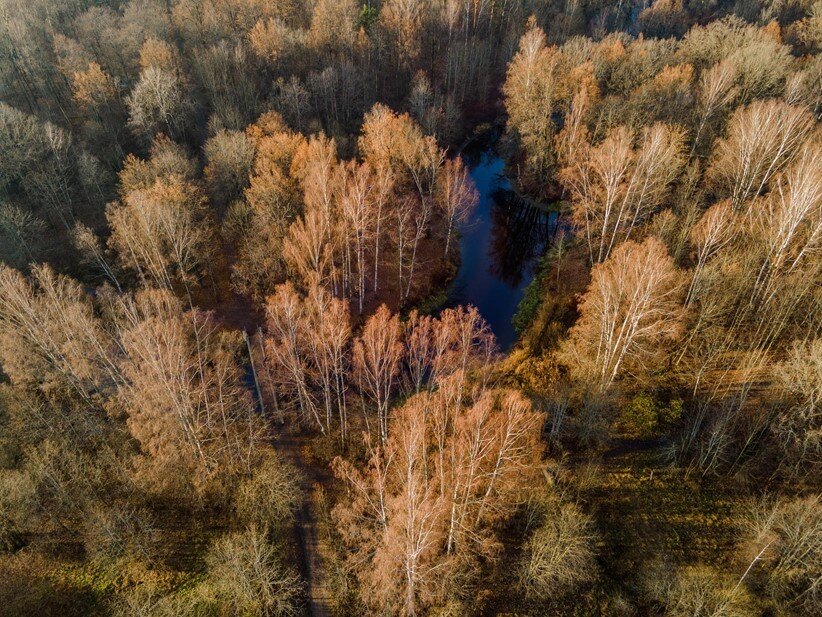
x=224 y=225
x=692 y=177
x=704 y=266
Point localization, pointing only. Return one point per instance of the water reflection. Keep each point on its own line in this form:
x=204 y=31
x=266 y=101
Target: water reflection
x=501 y=248
x=520 y=235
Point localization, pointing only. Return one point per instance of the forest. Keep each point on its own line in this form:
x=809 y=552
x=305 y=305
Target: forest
x=237 y=377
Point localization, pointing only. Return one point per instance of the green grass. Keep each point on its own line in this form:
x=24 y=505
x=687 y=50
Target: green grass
x=534 y=294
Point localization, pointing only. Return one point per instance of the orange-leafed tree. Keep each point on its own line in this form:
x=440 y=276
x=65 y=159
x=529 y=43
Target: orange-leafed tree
x=421 y=512
x=308 y=353
x=183 y=394
x=377 y=356
x=456 y=196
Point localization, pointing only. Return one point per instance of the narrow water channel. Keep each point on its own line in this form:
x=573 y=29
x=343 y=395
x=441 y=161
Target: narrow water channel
x=501 y=247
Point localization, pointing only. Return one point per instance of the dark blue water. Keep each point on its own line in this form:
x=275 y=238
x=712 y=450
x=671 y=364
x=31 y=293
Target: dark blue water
x=501 y=248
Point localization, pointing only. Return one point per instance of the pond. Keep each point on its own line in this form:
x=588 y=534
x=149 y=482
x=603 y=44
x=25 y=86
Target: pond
x=501 y=247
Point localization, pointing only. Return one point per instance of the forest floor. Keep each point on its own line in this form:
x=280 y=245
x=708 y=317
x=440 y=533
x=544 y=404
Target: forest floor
x=653 y=516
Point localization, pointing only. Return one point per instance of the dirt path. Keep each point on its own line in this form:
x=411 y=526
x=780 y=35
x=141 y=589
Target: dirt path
x=290 y=447
x=238 y=312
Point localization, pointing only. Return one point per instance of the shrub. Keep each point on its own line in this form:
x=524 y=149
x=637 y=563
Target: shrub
x=269 y=497
x=532 y=299
x=119 y=530
x=699 y=591
x=16 y=504
x=643 y=416
x=247 y=576
x=559 y=555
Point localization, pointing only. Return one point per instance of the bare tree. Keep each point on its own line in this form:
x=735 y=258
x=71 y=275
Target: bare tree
x=788 y=221
x=384 y=186
x=762 y=139
x=559 y=555
x=788 y=538
x=249 y=576
x=716 y=90
x=230 y=156
x=712 y=233
x=88 y=244
x=456 y=196
x=50 y=334
x=531 y=93
x=419 y=351
x=158 y=103
x=798 y=426
x=574 y=133
x=20 y=231
x=616 y=187
x=404 y=232
x=164 y=232
x=308 y=352
x=631 y=306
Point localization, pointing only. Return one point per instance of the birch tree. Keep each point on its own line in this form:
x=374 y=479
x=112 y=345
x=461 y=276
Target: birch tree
x=421 y=512
x=308 y=351
x=358 y=221
x=616 y=186
x=762 y=139
x=184 y=397
x=286 y=349
x=377 y=355
x=630 y=308
x=456 y=196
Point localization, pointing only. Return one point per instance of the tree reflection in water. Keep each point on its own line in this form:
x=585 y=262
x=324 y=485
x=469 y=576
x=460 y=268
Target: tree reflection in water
x=520 y=235
x=500 y=248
